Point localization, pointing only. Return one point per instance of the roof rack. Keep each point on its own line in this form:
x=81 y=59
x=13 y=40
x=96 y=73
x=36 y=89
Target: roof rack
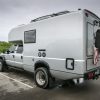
x=49 y=16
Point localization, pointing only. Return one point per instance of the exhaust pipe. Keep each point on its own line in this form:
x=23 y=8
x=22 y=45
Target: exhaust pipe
x=78 y=81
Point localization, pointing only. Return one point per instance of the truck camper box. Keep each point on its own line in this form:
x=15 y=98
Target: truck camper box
x=61 y=45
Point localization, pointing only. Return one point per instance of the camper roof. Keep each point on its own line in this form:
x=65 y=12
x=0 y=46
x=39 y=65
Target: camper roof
x=51 y=15
x=59 y=13
x=92 y=13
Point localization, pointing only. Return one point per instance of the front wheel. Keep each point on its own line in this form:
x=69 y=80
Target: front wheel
x=1 y=65
x=42 y=78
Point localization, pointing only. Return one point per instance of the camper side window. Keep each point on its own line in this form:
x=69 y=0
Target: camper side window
x=30 y=36
x=90 y=39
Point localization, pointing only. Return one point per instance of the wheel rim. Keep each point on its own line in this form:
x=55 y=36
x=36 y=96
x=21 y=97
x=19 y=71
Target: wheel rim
x=0 y=65
x=40 y=78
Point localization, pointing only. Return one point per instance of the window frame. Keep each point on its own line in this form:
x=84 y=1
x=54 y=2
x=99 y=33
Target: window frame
x=17 y=49
x=27 y=33
x=13 y=51
x=87 y=45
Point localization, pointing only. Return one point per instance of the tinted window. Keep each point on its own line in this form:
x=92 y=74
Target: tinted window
x=19 y=49
x=12 y=48
x=30 y=36
x=90 y=39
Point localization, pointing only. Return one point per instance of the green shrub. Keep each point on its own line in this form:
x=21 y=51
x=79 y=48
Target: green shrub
x=4 y=46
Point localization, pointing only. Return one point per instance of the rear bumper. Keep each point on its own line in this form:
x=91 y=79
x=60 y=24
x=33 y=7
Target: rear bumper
x=92 y=74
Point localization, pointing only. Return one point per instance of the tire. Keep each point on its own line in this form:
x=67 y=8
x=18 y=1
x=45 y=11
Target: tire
x=3 y=66
x=42 y=78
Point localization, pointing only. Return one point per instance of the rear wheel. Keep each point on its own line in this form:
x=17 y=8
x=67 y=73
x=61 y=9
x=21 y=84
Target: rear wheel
x=42 y=78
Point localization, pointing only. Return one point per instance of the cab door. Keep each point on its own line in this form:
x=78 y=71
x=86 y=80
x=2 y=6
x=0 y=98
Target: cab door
x=9 y=57
x=19 y=56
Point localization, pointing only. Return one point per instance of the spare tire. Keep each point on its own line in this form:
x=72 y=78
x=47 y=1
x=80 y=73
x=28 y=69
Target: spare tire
x=97 y=39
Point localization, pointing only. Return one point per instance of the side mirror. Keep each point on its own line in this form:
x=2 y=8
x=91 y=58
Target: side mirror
x=12 y=52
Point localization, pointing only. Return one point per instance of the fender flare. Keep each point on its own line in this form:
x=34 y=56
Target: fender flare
x=42 y=63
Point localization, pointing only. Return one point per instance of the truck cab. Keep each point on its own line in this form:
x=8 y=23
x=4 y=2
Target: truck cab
x=14 y=56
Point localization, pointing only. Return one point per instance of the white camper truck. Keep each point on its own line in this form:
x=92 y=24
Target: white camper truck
x=59 y=45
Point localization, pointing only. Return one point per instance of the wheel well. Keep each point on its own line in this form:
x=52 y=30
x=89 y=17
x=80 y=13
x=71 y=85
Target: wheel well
x=3 y=59
x=41 y=64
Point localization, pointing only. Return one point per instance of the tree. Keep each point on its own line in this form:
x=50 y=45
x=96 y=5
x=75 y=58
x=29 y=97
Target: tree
x=4 y=46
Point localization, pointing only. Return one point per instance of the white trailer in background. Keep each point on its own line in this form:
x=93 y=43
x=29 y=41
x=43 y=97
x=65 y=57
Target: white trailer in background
x=59 y=46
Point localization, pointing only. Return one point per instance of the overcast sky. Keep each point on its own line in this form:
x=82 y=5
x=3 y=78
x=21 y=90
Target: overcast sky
x=16 y=12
